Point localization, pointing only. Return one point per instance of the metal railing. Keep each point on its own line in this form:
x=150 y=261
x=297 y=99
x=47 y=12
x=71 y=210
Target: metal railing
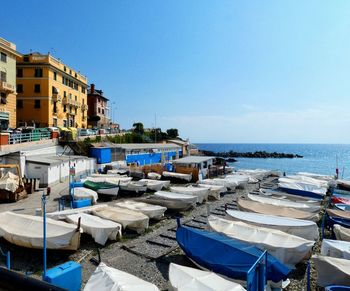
x=27 y=137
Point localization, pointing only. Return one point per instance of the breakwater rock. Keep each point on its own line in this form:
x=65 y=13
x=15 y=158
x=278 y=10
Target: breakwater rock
x=229 y=156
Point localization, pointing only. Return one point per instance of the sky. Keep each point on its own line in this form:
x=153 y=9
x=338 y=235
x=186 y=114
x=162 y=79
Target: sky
x=220 y=71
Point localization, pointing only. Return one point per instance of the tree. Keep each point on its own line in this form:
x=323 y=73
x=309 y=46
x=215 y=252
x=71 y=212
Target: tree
x=138 y=128
x=172 y=133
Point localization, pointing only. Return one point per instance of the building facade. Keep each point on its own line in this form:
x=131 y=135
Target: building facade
x=98 y=111
x=50 y=93
x=8 y=55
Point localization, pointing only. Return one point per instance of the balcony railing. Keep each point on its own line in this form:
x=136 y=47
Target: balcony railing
x=84 y=107
x=27 y=137
x=6 y=87
x=72 y=102
x=56 y=98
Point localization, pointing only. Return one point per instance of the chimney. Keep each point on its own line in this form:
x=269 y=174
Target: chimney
x=92 y=88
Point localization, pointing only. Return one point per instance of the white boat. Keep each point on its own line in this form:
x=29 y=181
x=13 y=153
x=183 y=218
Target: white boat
x=214 y=190
x=289 y=249
x=339 y=213
x=85 y=193
x=343 y=184
x=133 y=186
x=127 y=218
x=176 y=196
x=285 y=203
x=332 y=271
x=109 y=191
x=286 y=196
x=155 y=185
x=302 y=228
x=180 y=176
x=105 y=278
x=185 y=278
x=285 y=183
x=100 y=229
x=335 y=248
x=252 y=206
x=200 y=193
x=341 y=232
x=108 y=175
x=221 y=182
x=154 y=176
x=170 y=204
x=257 y=173
x=109 y=179
x=308 y=180
x=61 y=215
x=241 y=180
x=27 y=231
x=317 y=176
x=152 y=211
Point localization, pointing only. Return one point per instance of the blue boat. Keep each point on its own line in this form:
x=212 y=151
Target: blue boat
x=302 y=193
x=229 y=257
x=341 y=192
x=337 y=220
x=337 y=288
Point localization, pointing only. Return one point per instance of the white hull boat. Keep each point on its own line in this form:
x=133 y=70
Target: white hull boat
x=317 y=176
x=154 y=176
x=152 y=211
x=155 y=185
x=137 y=187
x=127 y=218
x=299 y=186
x=176 y=196
x=185 y=278
x=339 y=213
x=221 y=182
x=180 y=176
x=341 y=232
x=105 y=278
x=289 y=249
x=252 y=206
x=302 y=228
x=257 y=173
x=343 y=184
x=289 y=197
x=61 y=215
x=335 y=248
x=112 y=180
x=27 y=231
x=309 y=180
x=100 y=229
x=85 y=193
x=109 y=191
x=241 y=180
x=214 y=190
x=332 y=271
x=200 y=193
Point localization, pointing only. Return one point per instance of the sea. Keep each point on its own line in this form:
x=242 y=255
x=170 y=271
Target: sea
x=317 y=158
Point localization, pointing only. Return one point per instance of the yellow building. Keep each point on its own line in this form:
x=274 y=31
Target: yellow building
x=50 y=93
x=8 y=57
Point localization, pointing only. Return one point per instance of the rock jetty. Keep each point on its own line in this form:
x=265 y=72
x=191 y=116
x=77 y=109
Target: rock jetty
x=258 y=154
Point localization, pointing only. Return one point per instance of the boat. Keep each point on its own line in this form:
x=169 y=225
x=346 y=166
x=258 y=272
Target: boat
x=154 y=176
x=317 y=176
x=185 y=278
x=308 y=180
x=177 y=176
x=171 y=204
x=214 y=190
x=338 y=213
x=176 y=196
x=341 y=192
x=337 y=288
x=335 y=248
x=105 y=188
x=84 y=193
x=229 y=184
x=106 y=278
x=252 y=206
x=302 y=189
x=284 y=203
x=155 y=185
x=306 y=183
x=331 y=271
x=257 y=173
x=240 y=180
x=337 y=199
x=343 y=184
x=108 y=178
x=27 y=231
x=127 y=218
x=200 y=193
x=289 y=197
x=61 y=215
x=155 y=212
x=100 y=229
x=229 y=257
x=133 y=186
x=289 y=249
x=341 y=232
x=342 y=206
x=298 y=227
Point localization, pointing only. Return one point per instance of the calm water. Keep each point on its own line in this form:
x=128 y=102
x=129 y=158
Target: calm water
x=318 y=158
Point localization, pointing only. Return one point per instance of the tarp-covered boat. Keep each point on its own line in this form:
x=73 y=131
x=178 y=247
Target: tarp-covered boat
x=341 y=232
x=343 y=184
x=61 y=215
x=176 y=196
x=154 y=176
x=252 y=206
x=105 y=188
x=338 y=213
x=335 y=248
x=302 y=189
x=317 y=176
x=100 y=229
x=343 y=207
x=302 y=228
x=289 y=249
x=105 y=278
x=150 y=210
x=179 y=176
x=200 y=193
x=133 y=186
x=155 y=185
x=85 y=193
x=288 y=197
x=230 y=184
x=308 y=180
x=170 y=204
x=27 y=231
x=214 y=190
x=185 y=278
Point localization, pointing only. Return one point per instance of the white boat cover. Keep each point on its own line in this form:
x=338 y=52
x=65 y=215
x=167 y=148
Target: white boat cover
x=176 y=196
x=339 y=213
x=239 y=179
x=127 y=218
x=335 y=248
x=298 y=227
x=100 y=229
x=289 y=249
x=186 y=177
x=214 y=190
x=331 y=271
x=61 y=215
x=108 y=175
x=343 y=183
x=155 y=185
x=200 y=193
x=121 y=172
x=309 y=180
x=285 y=203
x=134 y=186
x=109 y=191
x=154 y=176
x=257 y=173
x=27 y=231
x=292 y=184
x=150 y=210
x=287 y=196
x=221 y=182
x=9 y=182
x=105 y=278
x=185 y=278
x=252 y=206
x=112 y=180
x=317 y=176
x=84 y=193
x=341 y=232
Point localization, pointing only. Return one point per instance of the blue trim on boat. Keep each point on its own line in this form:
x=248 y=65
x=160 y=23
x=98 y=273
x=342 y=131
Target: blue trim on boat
x=337 y=288
x=302 y=193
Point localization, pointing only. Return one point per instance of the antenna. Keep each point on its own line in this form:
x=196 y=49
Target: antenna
x=155 y=127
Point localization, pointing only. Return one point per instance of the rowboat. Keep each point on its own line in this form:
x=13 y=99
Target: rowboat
x=331 y=270
x=317 y=176
x=257 y=173
x=306 y=183
x=200 y=193
x=284 y=203
x=127 y=218
x=108 y=179
x=298 y=227
x=105 y=188
x=133 y=186
x=338 y=213
x=252 y=206
x=106 y=278
x=343 y=184
x=154 y=176
x=176 y=196
x=152 y=211
x=340 y=200
x=342 y=206
x=155 y=185
x=240 y=180
x=27 y=231
x=229 y=257
x=286 y=196
x=178 y=176
x=341 y=192
x=185 y=278
x=302 y=189
x=100 y=229
x=308 y=180
x=341 y=232
x=220 y=182
x=214 y=190
x=61 y=215
x=289 y=249
x=174 y=204
x=335 y=248
x=84 y=193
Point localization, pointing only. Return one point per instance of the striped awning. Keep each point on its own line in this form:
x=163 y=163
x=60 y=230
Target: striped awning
x=4 y=115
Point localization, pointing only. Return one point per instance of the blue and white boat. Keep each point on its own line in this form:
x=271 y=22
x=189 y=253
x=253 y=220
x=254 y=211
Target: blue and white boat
x=301 y=189
x=341 y=206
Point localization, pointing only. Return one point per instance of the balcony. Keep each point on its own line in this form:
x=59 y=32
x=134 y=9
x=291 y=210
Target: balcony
x=67 y=101
x=84 y=107
x=6 y=87
x=71 y=113
x=56 y=98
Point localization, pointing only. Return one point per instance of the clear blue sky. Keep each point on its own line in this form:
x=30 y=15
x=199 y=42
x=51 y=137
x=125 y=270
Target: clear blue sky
x=219 y=71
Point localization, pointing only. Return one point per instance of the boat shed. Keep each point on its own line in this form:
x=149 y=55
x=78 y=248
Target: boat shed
x=202 y=163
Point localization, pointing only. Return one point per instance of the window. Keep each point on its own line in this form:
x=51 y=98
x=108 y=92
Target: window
x=70 y=96
x=103 y=111
x=3 y=98
x=55 y=76
x=64 y=123
x=99 y=110
x=75 y=75
x=19 y=103
x=38 y=72
x=19 y=88
x=63 y=80
x=76 y=98
x=64 y=108
x=3 y=76
x=19 y=73
x=64 y=68
x=3 y=57
x=37 y=88
x=55 y=107
x=54 y=90
x=64 y=94
x=26 y=59
x=36 y=103
x=83 y=89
